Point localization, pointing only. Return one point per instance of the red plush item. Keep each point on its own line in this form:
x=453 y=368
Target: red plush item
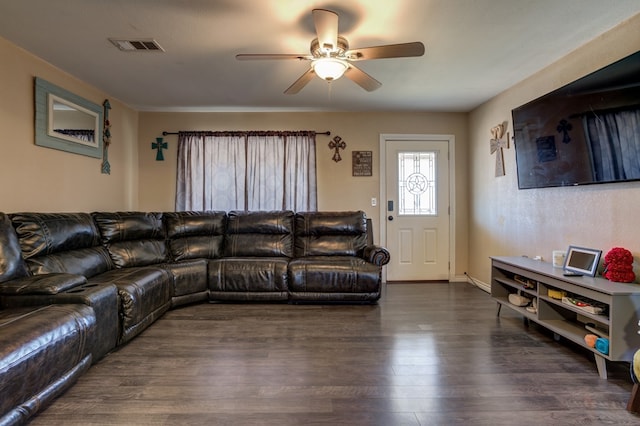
x=618 y=265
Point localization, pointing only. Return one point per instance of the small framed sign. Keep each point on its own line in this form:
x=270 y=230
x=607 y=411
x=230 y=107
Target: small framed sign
x=362 y=163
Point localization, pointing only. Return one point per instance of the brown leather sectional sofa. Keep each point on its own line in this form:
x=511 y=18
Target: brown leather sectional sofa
x=74 y=286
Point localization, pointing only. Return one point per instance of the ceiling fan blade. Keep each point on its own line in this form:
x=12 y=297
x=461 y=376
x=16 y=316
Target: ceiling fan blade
x=326 y=23
x=261 y=56
x=361 y=78
x=402 y=50
x=301 y=82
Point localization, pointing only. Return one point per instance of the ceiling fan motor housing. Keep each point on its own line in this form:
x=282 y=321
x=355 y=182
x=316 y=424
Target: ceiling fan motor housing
x=319 y=51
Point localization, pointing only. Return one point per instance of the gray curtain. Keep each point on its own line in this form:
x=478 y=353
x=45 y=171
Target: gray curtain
x=246 y=171
x=614 y=142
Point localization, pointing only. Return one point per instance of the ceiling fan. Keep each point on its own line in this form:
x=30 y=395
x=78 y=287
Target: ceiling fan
x=331 y=57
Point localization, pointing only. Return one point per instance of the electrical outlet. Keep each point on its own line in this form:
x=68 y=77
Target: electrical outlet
x=374 y=201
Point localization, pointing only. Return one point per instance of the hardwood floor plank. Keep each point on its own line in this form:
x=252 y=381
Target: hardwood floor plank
x=433 y=354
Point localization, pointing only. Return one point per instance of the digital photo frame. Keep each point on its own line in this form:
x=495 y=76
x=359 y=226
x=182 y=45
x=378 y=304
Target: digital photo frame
x=582 y=261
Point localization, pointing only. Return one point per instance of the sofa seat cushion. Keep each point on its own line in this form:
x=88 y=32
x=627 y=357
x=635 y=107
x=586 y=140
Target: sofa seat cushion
x=248 y=278
x=336 y=277
x=143 y=296
x=42 y=352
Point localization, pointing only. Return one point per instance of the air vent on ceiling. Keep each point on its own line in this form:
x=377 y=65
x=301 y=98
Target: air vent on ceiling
x=149 y=45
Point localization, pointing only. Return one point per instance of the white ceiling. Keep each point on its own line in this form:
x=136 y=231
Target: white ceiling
x=474 y=48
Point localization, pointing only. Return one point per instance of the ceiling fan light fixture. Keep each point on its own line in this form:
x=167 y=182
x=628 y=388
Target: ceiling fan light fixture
x=329 y=69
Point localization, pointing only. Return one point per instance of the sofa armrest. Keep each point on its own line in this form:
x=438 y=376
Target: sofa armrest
x=41 y=284
x=376 y=254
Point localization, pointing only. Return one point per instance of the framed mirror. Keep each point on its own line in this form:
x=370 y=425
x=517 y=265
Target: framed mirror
x=66 y=121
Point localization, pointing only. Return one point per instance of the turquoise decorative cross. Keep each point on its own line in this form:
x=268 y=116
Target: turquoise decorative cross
x=159 y=145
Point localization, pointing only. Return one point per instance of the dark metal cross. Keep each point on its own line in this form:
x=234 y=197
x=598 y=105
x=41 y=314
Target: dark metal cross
x=337 y=144
x=159 y=145
x=564 y=127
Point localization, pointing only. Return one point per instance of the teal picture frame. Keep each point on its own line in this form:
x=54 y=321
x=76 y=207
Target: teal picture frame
x=49 y=97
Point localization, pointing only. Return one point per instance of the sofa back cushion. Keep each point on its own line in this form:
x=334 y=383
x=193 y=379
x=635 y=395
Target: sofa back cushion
x=61 y=242
x=330 y=233
x=132 y=238
x=259 y=234
x=11 y=262
x=193 y=235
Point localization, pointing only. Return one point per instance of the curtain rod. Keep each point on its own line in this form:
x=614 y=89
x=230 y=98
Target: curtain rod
x=328 y=133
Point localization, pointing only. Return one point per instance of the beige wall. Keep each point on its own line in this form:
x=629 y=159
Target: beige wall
x=35 y=178
x=505 y=221
x=337 y=189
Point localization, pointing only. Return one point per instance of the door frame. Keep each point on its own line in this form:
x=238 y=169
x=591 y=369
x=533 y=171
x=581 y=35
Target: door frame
x=451 y=140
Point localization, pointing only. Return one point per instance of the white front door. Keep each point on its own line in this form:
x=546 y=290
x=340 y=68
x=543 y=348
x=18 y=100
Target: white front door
x=417 y=212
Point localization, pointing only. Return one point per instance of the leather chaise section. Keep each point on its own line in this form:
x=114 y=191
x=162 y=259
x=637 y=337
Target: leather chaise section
x=42 y=352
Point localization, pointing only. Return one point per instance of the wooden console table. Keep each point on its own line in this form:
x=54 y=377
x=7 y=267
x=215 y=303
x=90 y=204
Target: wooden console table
x=619 y=321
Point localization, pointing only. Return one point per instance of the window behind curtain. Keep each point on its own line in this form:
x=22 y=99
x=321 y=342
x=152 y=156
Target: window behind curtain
x=246 y=171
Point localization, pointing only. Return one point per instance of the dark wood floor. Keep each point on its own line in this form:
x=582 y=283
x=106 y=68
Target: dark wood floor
x=427 y=354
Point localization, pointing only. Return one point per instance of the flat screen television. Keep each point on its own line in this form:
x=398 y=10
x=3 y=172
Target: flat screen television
x=583 y=133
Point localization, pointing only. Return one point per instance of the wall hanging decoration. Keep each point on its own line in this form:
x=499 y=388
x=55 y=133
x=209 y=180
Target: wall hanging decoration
x=106 y=138
x=499 y=140
x=337 y=144
x=66 y=121
x=361 y=163
x=159 y=145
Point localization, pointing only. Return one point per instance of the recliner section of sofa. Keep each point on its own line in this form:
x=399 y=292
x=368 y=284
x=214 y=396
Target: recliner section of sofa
x=136 y=245
x=330 y=263
x=192 y=239
x=257 y=250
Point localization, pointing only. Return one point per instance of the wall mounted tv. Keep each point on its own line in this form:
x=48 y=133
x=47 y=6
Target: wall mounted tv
x=583 y=133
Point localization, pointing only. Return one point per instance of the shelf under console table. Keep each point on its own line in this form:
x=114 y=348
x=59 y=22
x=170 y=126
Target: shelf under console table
x=612 y=309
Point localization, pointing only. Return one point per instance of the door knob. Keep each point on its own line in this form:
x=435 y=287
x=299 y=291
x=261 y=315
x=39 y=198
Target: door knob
x=390 y=218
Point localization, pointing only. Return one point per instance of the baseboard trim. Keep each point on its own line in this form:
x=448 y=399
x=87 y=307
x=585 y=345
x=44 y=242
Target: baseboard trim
x=480 y=284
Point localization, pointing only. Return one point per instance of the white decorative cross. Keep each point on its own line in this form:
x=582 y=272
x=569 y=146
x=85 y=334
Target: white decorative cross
x=497 y=143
